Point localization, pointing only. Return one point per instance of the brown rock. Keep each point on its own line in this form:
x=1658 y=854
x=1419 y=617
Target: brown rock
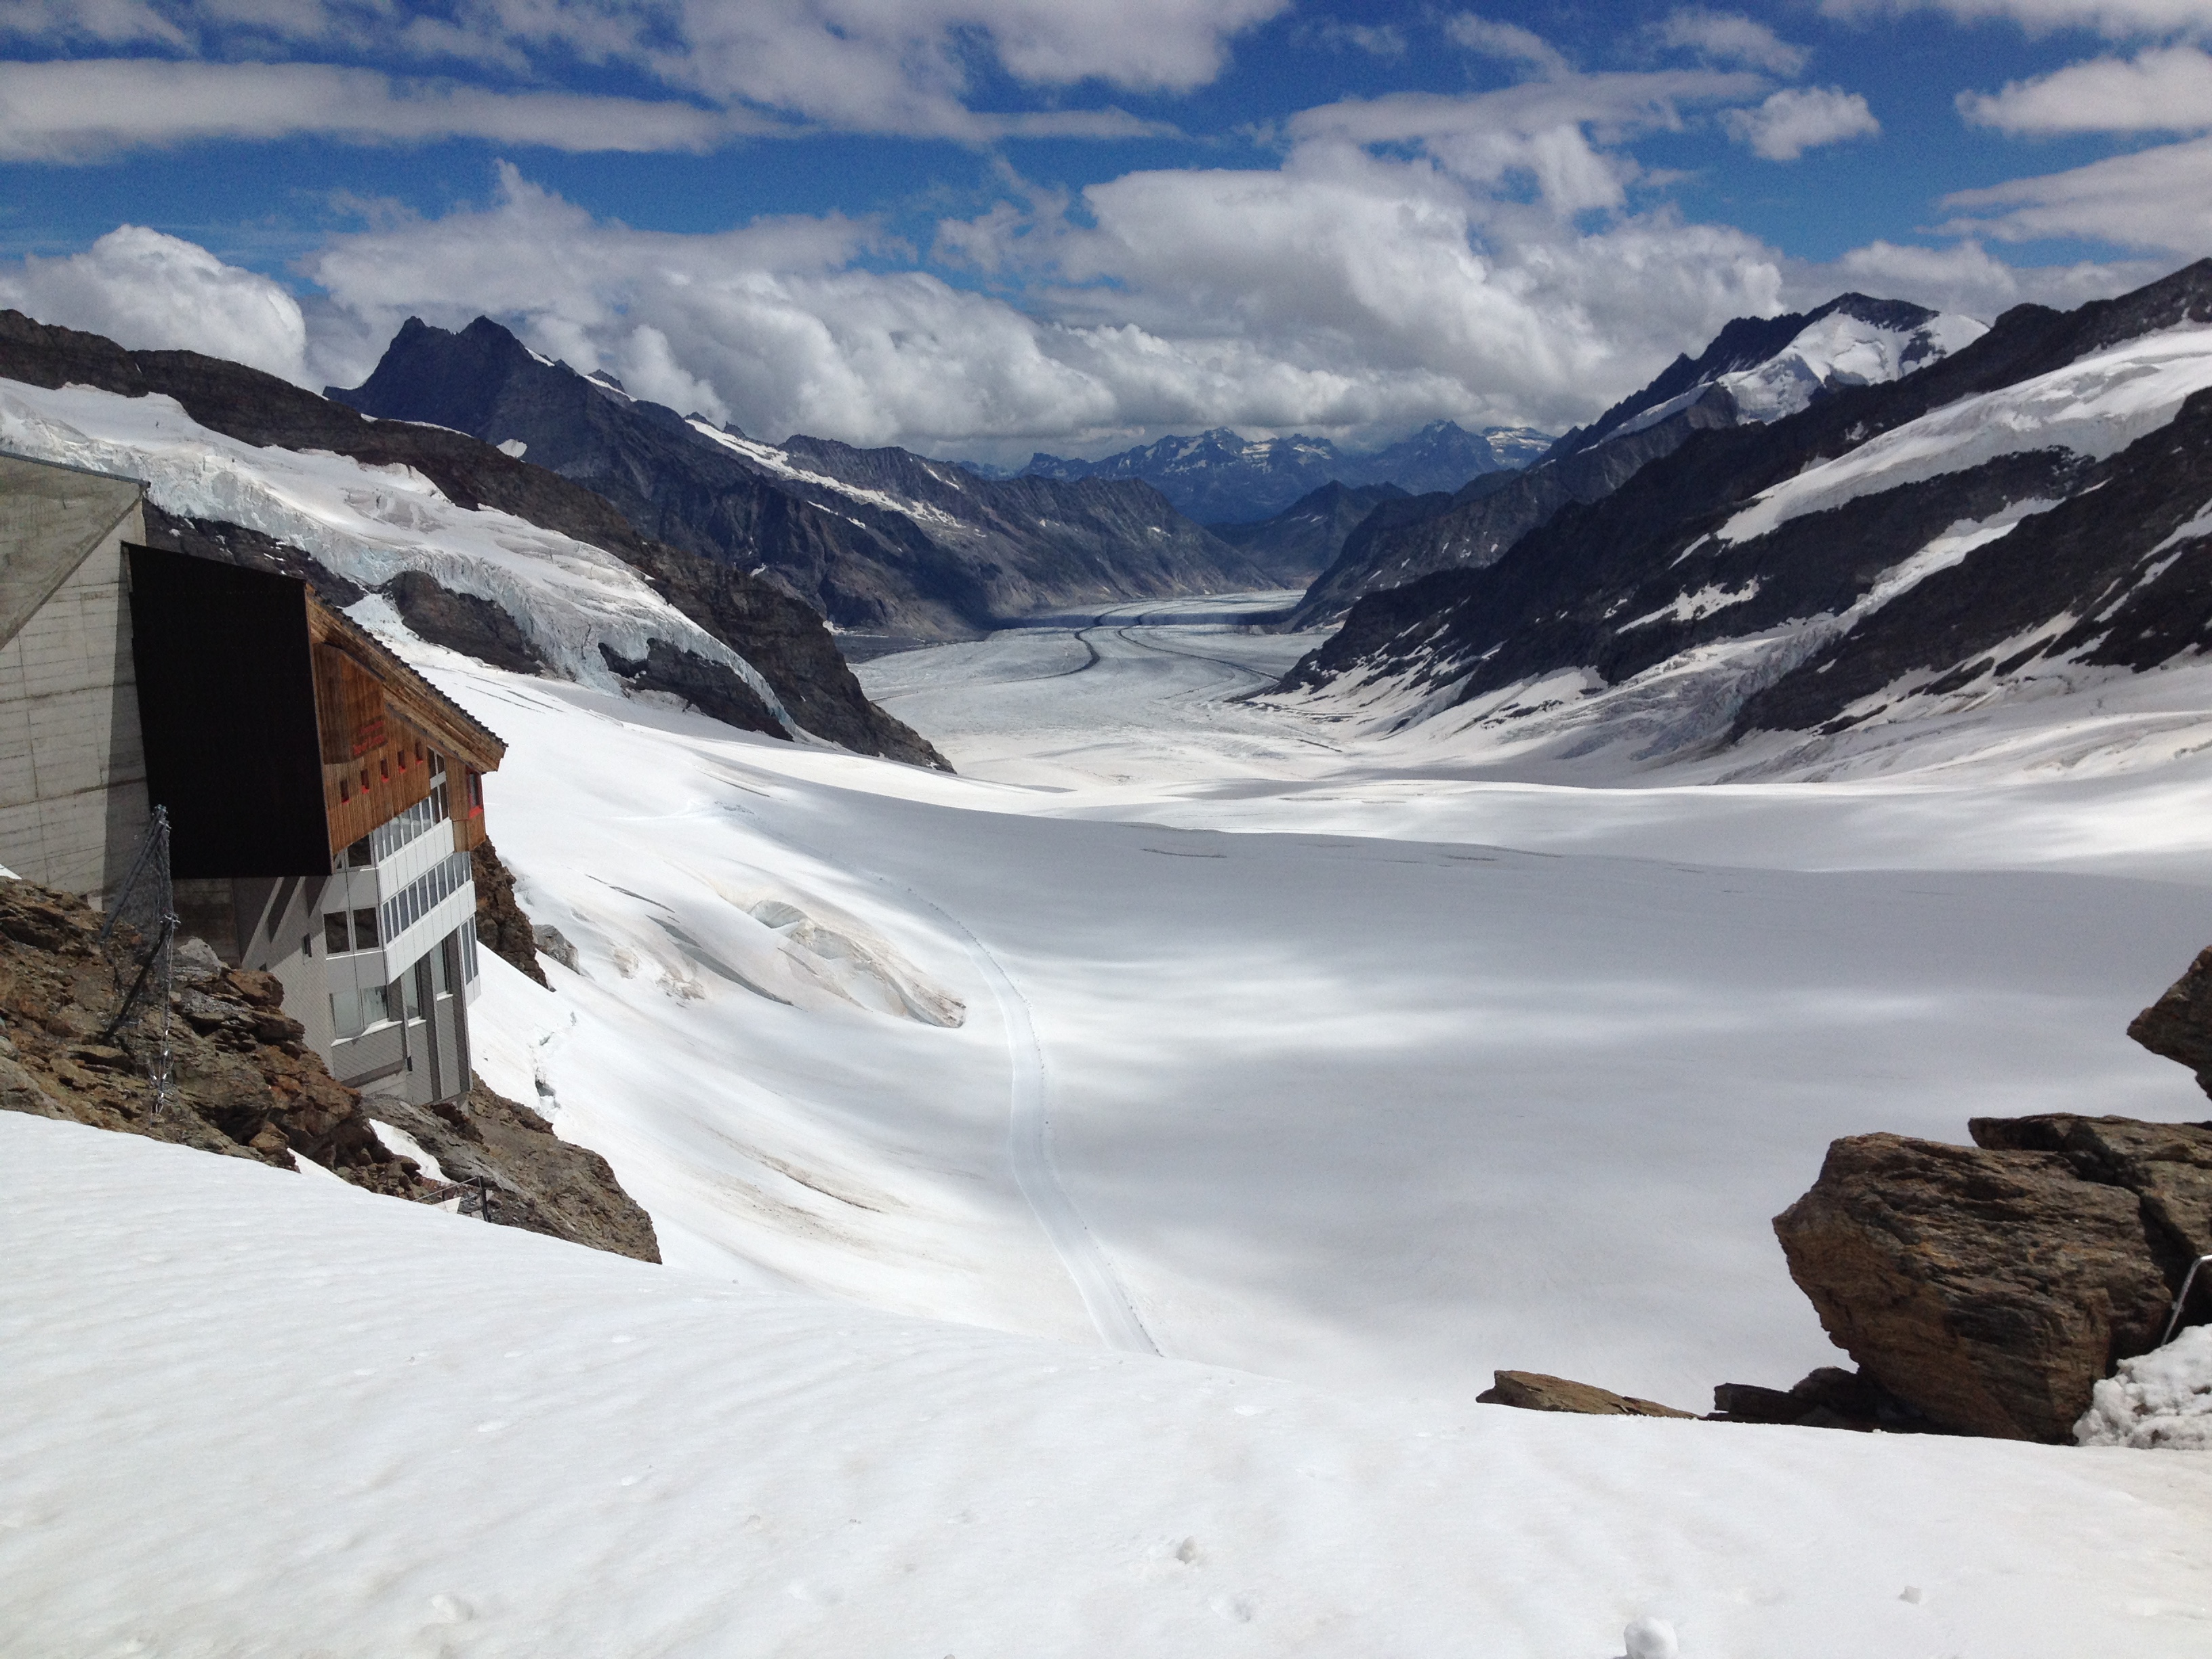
x=2179 y=1025
x=542 y=1184
x=1988 y=1288
x=501 y=927
x=2167 y=1166
x=1533 y=1391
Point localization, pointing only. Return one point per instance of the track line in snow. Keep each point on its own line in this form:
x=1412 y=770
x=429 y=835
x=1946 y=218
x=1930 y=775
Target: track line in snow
x=1028 y=1148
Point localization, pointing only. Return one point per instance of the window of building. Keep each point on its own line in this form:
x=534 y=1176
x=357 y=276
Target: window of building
x=334 y=942
x=364 y=929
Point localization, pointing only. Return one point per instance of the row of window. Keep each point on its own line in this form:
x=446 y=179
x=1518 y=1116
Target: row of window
x=353 y=1012
x=388 y=837
x=409 y=751
x=420 y=897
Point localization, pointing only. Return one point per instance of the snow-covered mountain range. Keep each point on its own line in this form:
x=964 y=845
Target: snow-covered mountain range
x=1222 y=478
x=883 y=542
x=247 y=467
x=2027 y=514
x=1756 y=370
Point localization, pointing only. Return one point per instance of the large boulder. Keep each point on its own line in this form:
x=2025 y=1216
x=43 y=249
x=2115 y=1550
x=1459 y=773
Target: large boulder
x=1989 y=1288
x=2179 y=1025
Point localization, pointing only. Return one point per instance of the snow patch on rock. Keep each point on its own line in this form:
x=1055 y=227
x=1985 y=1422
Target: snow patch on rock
x=2159 y=1401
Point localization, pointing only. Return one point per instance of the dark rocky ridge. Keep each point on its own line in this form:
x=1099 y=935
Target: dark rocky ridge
x=1305 y=537
x=1474 y=528
x=980 y=551
x=1745 y=343
x=1610 y=585
x=462 y=621
x=245 y=1086
x=778 y=635
x=1403 y=541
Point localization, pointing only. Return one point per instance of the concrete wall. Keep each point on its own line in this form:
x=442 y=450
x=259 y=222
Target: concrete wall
x=72 y=767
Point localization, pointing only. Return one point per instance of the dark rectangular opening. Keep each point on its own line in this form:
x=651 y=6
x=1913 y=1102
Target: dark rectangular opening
x=227 y=699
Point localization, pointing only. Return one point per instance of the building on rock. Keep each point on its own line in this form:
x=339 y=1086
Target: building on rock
x=322 y=798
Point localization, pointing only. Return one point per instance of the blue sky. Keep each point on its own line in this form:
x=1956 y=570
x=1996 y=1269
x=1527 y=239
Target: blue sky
x=980 y=227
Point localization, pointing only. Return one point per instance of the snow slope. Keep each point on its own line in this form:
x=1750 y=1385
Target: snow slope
x=367 y=523
x=254 y=1414
x=1837 y=351
x=2095 y=408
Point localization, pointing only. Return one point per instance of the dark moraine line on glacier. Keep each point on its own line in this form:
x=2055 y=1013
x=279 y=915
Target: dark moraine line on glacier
x=1029 y=1149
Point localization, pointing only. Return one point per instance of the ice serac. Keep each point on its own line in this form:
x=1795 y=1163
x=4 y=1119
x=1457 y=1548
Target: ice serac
x=1756 y=371
x=2034 y=507
x=882 y=542
x=409 y=486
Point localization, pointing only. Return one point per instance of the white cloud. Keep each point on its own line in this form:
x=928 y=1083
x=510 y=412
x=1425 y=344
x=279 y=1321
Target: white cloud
x=1508 y=42
x=111 y=22
x=1342 y=293
x=2154 y=198
x=1963 y=277
x=91 y=109
x=2118 y=19
x=1799 y=119
x=860 y=65
x=1728 y=37
x=2168 y=89
x=152 y=292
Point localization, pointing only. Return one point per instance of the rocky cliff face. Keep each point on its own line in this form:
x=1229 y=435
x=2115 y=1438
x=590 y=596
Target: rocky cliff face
x=880 y=542
x=1307 y=537
x=784 y=641
x=1757 y=370
x=2031 y=505
x=245 y=1086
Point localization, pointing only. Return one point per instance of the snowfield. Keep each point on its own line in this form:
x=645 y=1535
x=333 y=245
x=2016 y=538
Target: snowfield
x=251 y=1414
x=1340 y=1070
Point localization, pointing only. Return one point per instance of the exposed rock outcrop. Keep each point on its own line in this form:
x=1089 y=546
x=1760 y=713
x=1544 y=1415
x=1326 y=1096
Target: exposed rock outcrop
x=1990 y=1288
x=2179 y=1025
x=462 y=621
x=1829 y=1398
x=540 y=1182
x=501 y=927
x=243 y=1084
x=1533 y=1391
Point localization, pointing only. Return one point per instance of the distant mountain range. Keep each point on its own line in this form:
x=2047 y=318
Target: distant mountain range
x=1759 y=369
x=2021 y=512
x=1218 y=477
x=890 y=548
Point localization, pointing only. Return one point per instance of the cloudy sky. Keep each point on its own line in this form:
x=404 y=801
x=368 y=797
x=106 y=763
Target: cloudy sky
x=979 y=228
